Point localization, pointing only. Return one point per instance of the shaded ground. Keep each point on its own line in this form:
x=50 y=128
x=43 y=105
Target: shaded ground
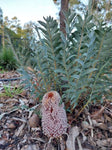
x=20 y=125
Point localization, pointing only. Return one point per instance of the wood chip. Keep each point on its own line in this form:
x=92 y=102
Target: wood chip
x=102 y=143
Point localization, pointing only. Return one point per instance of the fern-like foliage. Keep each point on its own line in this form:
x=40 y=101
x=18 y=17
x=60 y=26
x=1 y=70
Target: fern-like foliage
x=78 y=64
x=48 y=53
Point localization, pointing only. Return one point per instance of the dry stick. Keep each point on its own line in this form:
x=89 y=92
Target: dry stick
x=18 y=119
x=90 y=121
x=6 y=113
x=79 y=143
x=73 y=134
x=20 y=129
x=38 y=139
x=62 y=145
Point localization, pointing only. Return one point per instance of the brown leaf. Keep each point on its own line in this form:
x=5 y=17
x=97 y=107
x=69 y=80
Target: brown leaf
x=107 y=118
x=98 y=114
x=100 y=125
x=30 y=69
x=34 y=121
x=23 y=94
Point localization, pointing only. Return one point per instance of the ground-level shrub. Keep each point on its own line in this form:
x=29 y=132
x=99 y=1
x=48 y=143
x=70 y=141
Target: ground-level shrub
x=7 y=59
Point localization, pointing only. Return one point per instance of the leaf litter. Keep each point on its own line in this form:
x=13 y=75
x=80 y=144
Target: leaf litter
x=20 y=124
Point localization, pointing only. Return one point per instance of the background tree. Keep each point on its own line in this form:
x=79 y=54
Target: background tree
x=13 y=24
x=2 y=27
x=1 y=24
x=18 y=38
x=65 y=5
x=102 y=9
x=64 y=8
x=1 y=16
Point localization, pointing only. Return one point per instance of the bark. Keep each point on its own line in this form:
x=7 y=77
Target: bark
x=64 y=8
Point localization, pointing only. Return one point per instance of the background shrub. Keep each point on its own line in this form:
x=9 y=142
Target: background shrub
x=7 y=59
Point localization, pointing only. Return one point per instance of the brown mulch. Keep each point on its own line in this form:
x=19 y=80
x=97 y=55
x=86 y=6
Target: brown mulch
x=9 y=75
x=20 y=124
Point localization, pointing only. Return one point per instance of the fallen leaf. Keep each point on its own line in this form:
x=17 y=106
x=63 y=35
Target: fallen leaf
x=34 y=121
x=107 y=118
x=19 y=131
x=73 y=133
x=100 y=125
x=98 y=114
x=104 y=142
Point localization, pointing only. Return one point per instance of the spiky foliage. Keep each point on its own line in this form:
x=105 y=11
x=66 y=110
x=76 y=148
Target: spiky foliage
x=78 y=64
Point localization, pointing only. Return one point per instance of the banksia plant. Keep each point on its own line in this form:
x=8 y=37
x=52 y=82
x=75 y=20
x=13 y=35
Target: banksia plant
x=54 y=119
x=77 y=65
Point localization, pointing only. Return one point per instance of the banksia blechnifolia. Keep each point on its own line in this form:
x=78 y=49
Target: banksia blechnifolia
x=54 y=119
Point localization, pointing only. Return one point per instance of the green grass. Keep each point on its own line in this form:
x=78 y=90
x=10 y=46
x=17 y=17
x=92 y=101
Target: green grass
x=11 y=92
x=2 y=69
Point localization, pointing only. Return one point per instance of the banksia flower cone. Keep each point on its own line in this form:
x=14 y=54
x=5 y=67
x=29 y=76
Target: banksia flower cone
x=54 y=120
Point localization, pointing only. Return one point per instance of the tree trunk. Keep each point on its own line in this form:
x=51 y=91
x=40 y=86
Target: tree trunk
x=64 y=8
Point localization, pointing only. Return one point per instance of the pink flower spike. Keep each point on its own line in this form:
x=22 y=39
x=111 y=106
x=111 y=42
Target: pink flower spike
x=54 y=119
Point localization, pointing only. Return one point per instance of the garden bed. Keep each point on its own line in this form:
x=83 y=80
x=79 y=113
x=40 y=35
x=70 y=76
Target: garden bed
x=20 y=123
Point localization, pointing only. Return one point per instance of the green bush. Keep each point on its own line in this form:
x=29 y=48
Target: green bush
x=7 y=59
x=78 y=65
